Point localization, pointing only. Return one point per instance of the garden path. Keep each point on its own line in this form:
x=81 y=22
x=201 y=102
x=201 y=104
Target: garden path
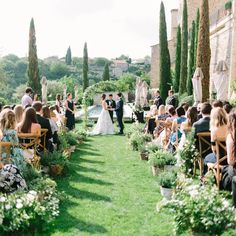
x=110 y=192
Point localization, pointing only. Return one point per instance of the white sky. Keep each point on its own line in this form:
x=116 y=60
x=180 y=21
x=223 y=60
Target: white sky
x=110 y=27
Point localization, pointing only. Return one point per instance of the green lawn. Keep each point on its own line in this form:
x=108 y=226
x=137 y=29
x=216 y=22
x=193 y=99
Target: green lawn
x=110 y=192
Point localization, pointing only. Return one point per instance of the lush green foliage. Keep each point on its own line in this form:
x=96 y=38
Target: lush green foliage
x=201 y=209
x=167 y=179
x=33 y=70
x=106 y=74
x=160 y=158
x=165 y=75
x=177 y=60
x=184 y=50
x=138 y=141
x=196 y=37
x=68 y=58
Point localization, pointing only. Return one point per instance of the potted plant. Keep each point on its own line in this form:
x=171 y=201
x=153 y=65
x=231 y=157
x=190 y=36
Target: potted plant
x=170 y=162
x=56 y=162
x=157 y=161
x=167 y=181
x=200 y=210
x=143 y=153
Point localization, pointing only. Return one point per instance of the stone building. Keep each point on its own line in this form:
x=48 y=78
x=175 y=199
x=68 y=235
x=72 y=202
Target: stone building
x=222 y=38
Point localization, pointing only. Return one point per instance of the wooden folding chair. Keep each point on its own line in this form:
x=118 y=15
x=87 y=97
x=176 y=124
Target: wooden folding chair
x=5 y=148
x=204 y=142
x=220 y=145
x=28 y=143
x=43 y=136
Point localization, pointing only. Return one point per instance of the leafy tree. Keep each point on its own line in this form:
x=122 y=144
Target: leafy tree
x=126 y=82
x=191 y=61
x=85 y=68
x=177 y=60
x=165 y=76
x=68 y=56
x=184 y=51
x=11 y=57
x=196 y=37
x=106 y=74
x=203 y=49
x=33 y=70
x=58 y=70
x=100 y=61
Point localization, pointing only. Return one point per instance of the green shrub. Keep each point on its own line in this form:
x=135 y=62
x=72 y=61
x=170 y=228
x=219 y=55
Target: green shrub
x=167 y=179
x=139 y=140
x=228 y=5
x=184 y=98
x=160 y=158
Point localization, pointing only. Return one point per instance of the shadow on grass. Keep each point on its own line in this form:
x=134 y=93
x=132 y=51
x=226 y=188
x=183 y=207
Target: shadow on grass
x=80 y=160
x=86 y=169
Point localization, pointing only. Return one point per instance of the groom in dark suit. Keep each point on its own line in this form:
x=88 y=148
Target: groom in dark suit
x=111 y=104
x=119 y=112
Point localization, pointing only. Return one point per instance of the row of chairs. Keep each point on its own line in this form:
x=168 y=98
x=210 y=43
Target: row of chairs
x=30 y=145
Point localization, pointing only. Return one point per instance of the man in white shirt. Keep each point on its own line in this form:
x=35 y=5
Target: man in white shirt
x=27 y=99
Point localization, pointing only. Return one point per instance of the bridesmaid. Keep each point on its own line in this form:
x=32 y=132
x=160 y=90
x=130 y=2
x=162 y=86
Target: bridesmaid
x=70 y=112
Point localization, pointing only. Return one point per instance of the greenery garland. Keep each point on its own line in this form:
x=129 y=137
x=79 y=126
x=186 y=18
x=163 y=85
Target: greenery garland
x=101 y=87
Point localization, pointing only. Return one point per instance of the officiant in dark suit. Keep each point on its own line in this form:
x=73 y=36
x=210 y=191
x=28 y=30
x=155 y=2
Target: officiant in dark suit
x=119 y=112
x=112 y=104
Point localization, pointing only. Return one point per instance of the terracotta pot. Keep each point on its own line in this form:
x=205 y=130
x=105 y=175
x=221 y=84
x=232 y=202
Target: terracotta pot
x=166 y=192
x=144 y=156
x=56 y=169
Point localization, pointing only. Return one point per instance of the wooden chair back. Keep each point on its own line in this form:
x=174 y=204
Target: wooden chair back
x=43 y=136
x=204 y=145
x=28 y=143
x=5 y=148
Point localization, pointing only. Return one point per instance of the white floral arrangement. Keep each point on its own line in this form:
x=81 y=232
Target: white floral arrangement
x=20 y=210
x=200 y=209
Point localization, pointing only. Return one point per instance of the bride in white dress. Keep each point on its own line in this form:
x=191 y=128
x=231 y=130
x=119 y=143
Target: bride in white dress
x=104 y=124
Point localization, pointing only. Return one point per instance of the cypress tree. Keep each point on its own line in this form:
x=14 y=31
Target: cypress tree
x=177 y=60
x=184 y=51
x=191 y=60
x=68 y=57
x=33 y=70
x=196 y=37
x=85 y=68
x=203 y=48
x=165 y=75
x=106 y=74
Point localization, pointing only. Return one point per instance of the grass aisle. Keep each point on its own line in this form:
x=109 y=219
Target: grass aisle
x=110 y=192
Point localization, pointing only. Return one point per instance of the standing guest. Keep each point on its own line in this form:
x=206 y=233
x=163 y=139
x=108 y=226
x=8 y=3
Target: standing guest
x=58 y=102
x=219 y=129
x=157 y=99
x=218 y=103
x=19 y=111
x=70 y=112
x=111 y=104
x=29 y=123
x=53 y=124
x=9 y=134
x=171 y=100
x=44 y=123
x=119 y=112
x=27 y=98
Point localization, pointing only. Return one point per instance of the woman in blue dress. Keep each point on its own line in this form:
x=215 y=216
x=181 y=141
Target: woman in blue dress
x=9 y=134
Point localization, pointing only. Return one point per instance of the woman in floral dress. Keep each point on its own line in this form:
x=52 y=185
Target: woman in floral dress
x=9 y=134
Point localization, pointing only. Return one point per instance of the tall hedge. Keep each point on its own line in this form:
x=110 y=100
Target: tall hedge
x=33 y=69
x=196 y=36
x=184 y=51
x=177 y=60
x=164 y=69
x=85 y=68
x=191 y=60
x=106 y=74
x=68 y=56
x=203 y=48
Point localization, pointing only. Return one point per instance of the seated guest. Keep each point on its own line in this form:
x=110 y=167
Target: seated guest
x=192 y=117
x=53 y=124
x=176 y=133
x=199 y=111
x=29 y=123
x=185 y=105
x=27 y=98
x=9 y=134
x=18 y=110
x=217 y=103
x=151 y=124
x=219 y=129
x=44 y=123
x=160 y=119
